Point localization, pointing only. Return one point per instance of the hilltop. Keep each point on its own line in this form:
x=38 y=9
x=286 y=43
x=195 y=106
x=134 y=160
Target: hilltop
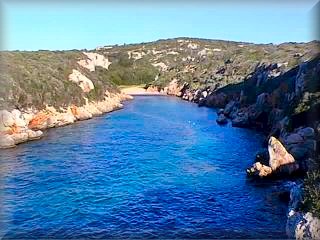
x=43 y=77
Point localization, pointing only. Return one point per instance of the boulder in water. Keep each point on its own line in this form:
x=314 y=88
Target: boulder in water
x=222 y=119
x=260 y=170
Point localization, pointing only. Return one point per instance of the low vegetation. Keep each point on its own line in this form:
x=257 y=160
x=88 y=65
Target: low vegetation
x=311 y=200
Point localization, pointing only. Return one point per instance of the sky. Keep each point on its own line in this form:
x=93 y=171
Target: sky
x=71 y=24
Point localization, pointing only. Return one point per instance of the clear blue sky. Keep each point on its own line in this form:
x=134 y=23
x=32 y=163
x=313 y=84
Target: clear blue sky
x=57 y=25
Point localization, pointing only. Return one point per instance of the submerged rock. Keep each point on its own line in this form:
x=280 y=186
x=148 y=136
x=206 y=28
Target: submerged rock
x=222 y=119
x=241 y=120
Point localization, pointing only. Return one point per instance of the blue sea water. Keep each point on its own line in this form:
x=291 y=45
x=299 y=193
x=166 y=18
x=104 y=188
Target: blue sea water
x=159 y=168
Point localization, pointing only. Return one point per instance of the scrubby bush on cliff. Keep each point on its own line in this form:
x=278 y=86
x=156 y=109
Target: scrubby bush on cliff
x=311 y=200
x=38 y=78
x=124 y=71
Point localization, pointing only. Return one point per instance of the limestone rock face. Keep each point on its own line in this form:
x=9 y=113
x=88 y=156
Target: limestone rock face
x=83 y=82
x=39 y=121
x=32 y=135
x=260 y=170
x=81 y=113
x=6 y=118
x=278 y=155
x=20 y=137
x=6 y=141
x=308 y=227
x=174 y=88
x=65 y=119
x=153 y=89
x=93 y=60
x=18 y=118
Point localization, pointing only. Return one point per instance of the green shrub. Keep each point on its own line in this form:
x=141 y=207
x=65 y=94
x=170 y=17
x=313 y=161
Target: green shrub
x=311 y=201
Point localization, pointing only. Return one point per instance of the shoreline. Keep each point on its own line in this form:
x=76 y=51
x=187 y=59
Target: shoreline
x=140 y=91
x=17 y=127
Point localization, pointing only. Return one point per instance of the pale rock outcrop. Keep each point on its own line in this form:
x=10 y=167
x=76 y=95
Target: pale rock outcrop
x=258 y=169
x=193 y=46
x=52 y=121
x=81 y=113
x=93 y=60
x=176 y=89
x=308 y=227
x=18 y=118
x=27 y=116
x=6 y=118
x=93 y=110
x=64 y=119
x=136 y=55
x=83 y=82
x=39 y=121
x=278 y=155
x=20 y=137
x=161 y=66
x=280 y=162
x=32 y=135
x=6 y=141
x=153 y=89
x=203 y=52
x=172 y=53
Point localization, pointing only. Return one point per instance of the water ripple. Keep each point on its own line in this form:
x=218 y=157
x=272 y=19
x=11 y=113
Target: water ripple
x=148 y=171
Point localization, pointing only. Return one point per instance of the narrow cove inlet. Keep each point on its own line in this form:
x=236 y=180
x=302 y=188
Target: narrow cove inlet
x=158 y=168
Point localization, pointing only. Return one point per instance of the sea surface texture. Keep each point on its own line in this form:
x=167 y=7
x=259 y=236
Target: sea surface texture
x=159 y=168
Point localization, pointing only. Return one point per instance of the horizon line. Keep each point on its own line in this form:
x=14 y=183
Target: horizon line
x=164 y=39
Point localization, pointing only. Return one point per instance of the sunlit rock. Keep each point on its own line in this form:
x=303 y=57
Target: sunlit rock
x=6 y=141
x=278 y=155
x=84 y=82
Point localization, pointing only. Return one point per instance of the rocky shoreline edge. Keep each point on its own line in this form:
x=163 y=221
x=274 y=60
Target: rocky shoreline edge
x=19 y=126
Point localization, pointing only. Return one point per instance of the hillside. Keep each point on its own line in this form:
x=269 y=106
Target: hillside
x=43 y=77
